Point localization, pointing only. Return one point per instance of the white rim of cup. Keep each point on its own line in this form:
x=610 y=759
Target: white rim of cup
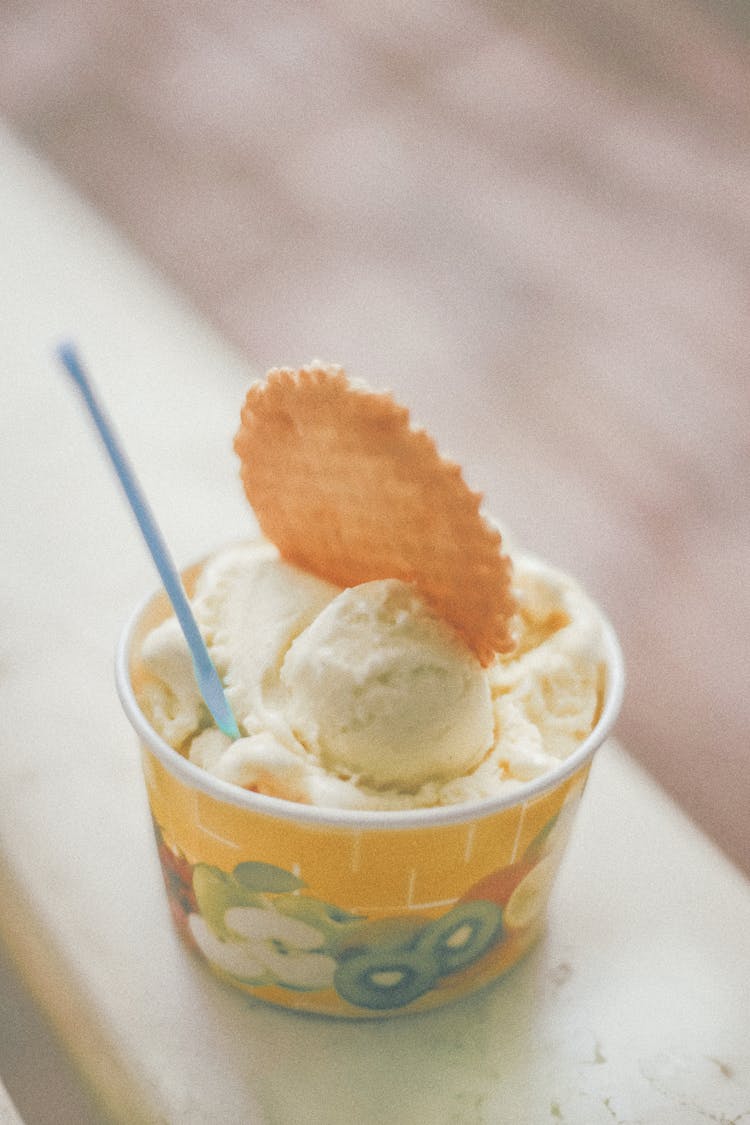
x=198 y=778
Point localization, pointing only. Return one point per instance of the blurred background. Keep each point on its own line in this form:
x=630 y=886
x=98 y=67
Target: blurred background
x=530 y=221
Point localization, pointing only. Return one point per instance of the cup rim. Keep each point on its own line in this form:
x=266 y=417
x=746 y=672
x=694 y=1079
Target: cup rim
x=198 y=778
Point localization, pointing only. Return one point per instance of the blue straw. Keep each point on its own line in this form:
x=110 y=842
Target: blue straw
x=205 y=673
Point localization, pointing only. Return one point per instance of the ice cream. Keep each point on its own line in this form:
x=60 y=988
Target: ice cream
x=418 y=692
x=380 y=688
x=363 y=698
x=378 y=647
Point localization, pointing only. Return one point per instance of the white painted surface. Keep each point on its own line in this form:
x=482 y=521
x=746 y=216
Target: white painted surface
x=8 y=1112
x=633 y=1009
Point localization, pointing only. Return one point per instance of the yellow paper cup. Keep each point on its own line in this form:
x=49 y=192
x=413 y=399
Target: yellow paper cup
x=350 y=913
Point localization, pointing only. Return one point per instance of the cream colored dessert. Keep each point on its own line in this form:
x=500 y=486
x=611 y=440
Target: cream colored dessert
x=363 y=698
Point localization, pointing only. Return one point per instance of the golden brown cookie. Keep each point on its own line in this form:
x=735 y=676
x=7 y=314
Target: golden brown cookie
x=349 y=491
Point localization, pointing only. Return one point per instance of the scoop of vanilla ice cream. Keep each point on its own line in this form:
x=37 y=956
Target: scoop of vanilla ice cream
x=250 y=605
x=362 y=698
x=380 y=688
x=171 y=697
x=548 y=692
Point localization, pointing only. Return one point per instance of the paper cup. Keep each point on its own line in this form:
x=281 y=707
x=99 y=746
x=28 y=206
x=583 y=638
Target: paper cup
x=349 y=913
